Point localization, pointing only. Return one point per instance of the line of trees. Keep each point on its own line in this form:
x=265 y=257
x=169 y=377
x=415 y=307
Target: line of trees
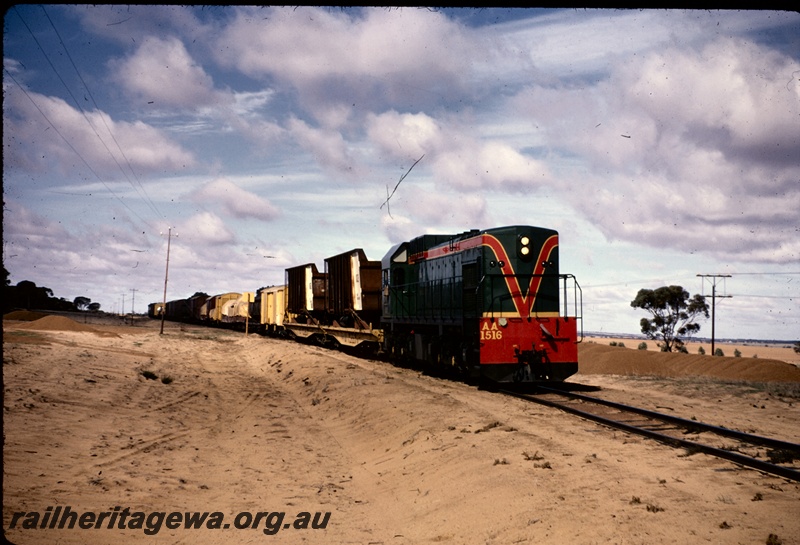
x=27 y=295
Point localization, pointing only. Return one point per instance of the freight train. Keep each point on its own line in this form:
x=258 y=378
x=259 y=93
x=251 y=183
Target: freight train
x=487 y=303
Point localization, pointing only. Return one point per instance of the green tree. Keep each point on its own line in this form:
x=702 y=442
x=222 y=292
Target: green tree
x=673 y=315
x=81 y=302
x=32 y=297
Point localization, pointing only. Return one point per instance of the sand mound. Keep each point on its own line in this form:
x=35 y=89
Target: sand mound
x=57 y=323
x=597 y=359
x=23 y=315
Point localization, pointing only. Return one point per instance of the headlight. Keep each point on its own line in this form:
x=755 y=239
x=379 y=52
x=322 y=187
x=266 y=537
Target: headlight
x=523 y=247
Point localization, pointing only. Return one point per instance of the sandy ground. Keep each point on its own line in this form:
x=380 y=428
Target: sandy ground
x=234 y=424
x=782 y=352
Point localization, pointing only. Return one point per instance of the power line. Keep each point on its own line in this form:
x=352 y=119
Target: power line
x=86 y=118
x=770 y=273
x=85 y=162
x=89 y=92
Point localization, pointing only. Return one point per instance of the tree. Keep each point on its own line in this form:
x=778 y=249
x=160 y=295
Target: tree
x=81 y=302
x=93 y=307
x=673 y=314
x=28 y=295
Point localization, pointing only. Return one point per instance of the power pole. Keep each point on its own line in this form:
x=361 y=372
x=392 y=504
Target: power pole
x=133 y=301
x=714 y=279
x=123 y=305
x=166 y=276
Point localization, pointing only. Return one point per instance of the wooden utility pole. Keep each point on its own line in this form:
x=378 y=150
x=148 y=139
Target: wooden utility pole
x=714 y=281
x=166 y=277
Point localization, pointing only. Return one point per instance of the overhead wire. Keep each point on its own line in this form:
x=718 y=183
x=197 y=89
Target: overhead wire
x=152 y=205
x=85 y=162
x=146 y=198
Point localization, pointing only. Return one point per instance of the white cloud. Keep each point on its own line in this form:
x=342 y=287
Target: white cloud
x=331 y=58
x=206 y=228
x=693 y=149
x=161 y=71
x=489 y=166
x=415 y=210
x=327 y=146
x=404 y=136
x=69 y=137
x=235 y=201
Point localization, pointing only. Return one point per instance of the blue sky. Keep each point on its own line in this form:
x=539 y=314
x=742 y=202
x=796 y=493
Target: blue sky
x=660 y=144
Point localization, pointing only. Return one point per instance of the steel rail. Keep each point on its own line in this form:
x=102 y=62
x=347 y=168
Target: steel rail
x=719 y=430
x=740 y=459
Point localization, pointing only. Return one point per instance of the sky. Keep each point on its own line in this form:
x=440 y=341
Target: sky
x=662 y=145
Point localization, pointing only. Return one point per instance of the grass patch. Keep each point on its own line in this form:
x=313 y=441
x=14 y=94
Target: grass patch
x=489 y=426
x=781 y=456
x=535 y=457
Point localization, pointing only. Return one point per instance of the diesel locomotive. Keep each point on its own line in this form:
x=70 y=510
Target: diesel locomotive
x=488 y=303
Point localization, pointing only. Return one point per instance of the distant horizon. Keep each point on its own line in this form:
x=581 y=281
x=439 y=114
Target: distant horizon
x=641 y=336
x=586 y=334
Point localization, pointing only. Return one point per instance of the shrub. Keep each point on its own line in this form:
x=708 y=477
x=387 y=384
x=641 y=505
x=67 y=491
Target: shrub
x=737 y=353
x=642 y=346
x=701 y=351
x=773 y=539
x=719 y=352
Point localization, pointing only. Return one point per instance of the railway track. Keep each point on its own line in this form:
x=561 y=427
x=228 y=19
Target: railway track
x=765 y=454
